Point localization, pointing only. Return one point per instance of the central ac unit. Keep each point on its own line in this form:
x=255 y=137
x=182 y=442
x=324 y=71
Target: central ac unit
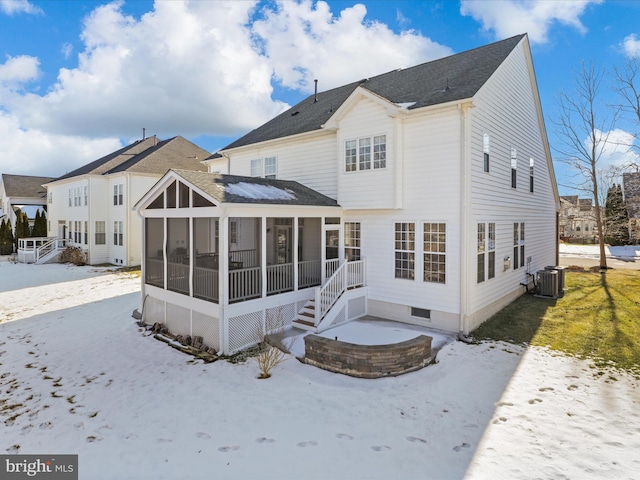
x=548 y=283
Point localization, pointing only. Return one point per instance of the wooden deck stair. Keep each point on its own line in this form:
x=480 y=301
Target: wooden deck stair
x=306 y=317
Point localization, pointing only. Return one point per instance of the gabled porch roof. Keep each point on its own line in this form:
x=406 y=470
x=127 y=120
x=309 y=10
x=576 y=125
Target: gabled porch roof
x=226 y=190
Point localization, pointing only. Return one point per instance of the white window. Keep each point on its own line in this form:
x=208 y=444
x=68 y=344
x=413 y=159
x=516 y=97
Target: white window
x=514 y=167
x=118 y=233
x=86 y=190
x=380 y=151
x=405 y=246
x=50 y=197
x=531 y=164
x=518 y=245
x=86 y=233
x=365 y=153
x=491 y=251
x=434 y=251
x=486 y=152
x=233 y=231
x=117 y=194
x=350 y=152
x=256 y=167
x=270 y=167
x=352 y=241
x=70 y=198
x=481 y=249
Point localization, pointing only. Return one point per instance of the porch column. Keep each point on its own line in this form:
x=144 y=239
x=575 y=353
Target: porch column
x=296 y=249
x=263 y=255
x=323 y=251
x=223 y=278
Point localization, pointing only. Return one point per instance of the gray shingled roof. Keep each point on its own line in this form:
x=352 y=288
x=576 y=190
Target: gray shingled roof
x=254 y=190
x=25 y=185
x=150 y=156
x=423 y=85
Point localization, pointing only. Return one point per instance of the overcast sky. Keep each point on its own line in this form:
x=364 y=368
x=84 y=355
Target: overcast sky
x=79 y=79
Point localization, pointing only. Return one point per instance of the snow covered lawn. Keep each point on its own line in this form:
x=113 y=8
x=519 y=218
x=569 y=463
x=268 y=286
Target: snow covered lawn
x=78 y=376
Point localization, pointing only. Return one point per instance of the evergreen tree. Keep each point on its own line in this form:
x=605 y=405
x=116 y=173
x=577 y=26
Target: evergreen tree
x=616 y=217
x=22 y=226
x=39 y=225
x=6 y=238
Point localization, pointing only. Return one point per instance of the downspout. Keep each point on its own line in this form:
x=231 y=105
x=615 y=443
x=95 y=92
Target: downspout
x=465 y=185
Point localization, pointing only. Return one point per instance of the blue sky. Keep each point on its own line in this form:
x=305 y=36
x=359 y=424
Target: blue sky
x=79 y=79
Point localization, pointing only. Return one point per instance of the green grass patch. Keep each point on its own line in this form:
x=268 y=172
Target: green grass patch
x=598 y=318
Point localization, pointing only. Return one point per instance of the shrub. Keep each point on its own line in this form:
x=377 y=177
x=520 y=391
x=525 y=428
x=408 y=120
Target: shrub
x=73 y=255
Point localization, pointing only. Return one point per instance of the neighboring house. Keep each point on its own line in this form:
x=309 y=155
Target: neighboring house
x=631 y=191
x=23 y=192
x=91 y=207
x=424 y=195
x=577 y=220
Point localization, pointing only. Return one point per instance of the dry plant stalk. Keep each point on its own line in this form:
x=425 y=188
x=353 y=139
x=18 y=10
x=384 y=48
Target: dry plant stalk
x=270 y=356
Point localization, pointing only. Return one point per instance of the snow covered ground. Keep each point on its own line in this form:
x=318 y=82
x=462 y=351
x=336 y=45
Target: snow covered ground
x=77 y=375
x=626 y=252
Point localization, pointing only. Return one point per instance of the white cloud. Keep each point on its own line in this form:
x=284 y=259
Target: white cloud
x=66 y=49
x=615 y=147
x=11 y=7
x=631 y=46
x=36 y=152
x=305 y=41
x=18 y=70
x=535 y=17
x=189 y=68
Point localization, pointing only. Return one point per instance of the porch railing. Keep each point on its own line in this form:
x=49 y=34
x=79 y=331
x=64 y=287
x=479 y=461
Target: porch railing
x=348 y=275
x=330 y=267
x=245 y=284
x=154 y=272
x=279 y=278
x=178 y=277
x=309 y=273
x=205 y=284
x=247 y=258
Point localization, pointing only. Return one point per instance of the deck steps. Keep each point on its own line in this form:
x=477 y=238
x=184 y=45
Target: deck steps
x=305 y=320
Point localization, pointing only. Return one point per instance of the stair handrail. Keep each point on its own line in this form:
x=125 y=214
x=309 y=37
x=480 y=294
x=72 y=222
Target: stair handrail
x=347 y=275
x=46 y=248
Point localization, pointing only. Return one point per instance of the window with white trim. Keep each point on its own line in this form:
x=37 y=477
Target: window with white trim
x=270 y=167
x=117 y=194
x=100 y=234
x=352 y=241
x=518 y=245
x=86 y=195
x=434 y=252
x=365 y=153
x=256 y=167
x=118 y=233
x=405 y=246
x=531 y=164
x=70 y=197
x=514 y=167
x=350 y=156
x=86 y=233
x=481 y=249
x=491 y=251
x=485 y=148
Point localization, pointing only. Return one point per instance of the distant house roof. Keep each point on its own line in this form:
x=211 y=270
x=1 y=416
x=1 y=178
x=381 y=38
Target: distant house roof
x=25 y=186
x=448 y=79
x=151 y=156
x=254 y=190
x=631 y=188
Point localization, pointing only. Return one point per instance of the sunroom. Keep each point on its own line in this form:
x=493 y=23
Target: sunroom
x=223 y=255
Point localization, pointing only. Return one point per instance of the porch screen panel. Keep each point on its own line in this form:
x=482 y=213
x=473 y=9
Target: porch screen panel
x=205 y=272
x=154 y=261
x=178 y=255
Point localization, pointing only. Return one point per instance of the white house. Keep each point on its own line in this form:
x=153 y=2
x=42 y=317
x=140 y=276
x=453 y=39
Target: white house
x=22 y=192
x=91 y=207
x=424 y=195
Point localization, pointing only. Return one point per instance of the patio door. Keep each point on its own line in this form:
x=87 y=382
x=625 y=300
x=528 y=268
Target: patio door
x=283 y=245
x=331 y=249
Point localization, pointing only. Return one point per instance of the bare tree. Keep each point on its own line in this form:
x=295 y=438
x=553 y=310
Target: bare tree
x=583 y=129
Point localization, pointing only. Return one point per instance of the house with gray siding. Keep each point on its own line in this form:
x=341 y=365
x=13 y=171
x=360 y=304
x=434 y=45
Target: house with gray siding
x=424 y=195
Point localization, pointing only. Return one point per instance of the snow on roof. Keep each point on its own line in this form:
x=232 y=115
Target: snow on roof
x=260 y=192
x=406 y=104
